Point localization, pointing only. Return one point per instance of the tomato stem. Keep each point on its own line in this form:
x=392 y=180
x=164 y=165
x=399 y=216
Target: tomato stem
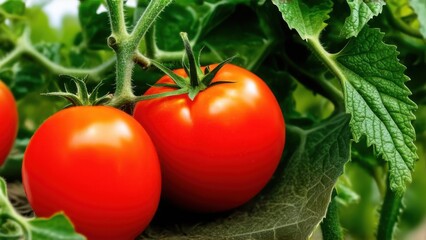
x=330 y=225
x=116 y=14
x=148 y=17
x=126 y=46
x=24 y=45
x=389 y=214
x=194 y=67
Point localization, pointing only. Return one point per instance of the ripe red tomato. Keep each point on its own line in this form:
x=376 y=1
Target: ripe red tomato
x=219 y=150
x=99 y=166
x=9 y=121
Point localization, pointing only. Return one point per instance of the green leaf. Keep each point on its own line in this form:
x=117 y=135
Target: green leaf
x=3 y=187
x=27 y=78
x=419 y=6
x=209 y=21
x=376 y=96
x=14 y=7
x=361 y=12
x=296 y=199
x=95 y=27
x=14 y=226
x=57 y=227
x=306 y=16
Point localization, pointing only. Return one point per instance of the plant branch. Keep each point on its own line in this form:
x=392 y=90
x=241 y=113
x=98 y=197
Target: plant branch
x=16 y=52
x=146 y=20
x=141 y=60
x=116 y=14
x=93 y=73
x=391 y=209
x=150 y=44
x=126 y=47
x=316 y=83
x=330 y=226
x=24 y=46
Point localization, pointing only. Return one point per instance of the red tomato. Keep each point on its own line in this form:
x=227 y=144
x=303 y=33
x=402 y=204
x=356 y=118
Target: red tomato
x=9 y=121
x=99 y=166
x=220 y=150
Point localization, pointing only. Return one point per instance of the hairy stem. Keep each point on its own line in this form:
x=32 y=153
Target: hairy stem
x=330 y=226
x=116 y=14
x=146 y=20
x=389 y=214
x=126 y=46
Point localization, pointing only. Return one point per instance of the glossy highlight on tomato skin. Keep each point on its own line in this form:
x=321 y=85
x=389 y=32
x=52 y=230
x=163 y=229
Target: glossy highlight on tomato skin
x=219 y=150
x=9 y=124
x=99 y=166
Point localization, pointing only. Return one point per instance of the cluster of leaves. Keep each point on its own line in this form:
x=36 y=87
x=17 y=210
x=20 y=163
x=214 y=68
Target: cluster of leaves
x=338 y=50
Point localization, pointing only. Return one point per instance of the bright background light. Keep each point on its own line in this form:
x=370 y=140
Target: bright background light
x=57 y=9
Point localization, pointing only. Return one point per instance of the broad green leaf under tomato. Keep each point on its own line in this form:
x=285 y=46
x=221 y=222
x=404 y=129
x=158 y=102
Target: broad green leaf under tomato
x=98 y=166
x=293 y=203
x=9 y=121
x=376 y=96
x=306 y=16
x=14 y=226
x=361 y=12
x=220 y=149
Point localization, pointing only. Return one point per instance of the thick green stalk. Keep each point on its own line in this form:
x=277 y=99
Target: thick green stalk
x=116 y=14
x=126 y=46
x=389 y=214
x=335 y=96
x=330 y=226
x=148 y=17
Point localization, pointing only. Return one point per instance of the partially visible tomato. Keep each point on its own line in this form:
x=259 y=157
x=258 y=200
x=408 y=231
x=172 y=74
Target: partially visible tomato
x=219 y=150
x=9 y=121
x=99 y=166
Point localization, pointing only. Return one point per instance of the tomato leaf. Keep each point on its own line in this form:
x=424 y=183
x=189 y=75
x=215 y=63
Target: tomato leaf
x=294 y=202
x=208 y=21
x=419 y=6
x=14 y=226
x=361 y=12
x=57 y=227
x=306 y=16
x=95 y=28
x=376 y=96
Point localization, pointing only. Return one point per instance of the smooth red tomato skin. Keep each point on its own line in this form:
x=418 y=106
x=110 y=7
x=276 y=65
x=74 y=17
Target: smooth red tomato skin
x=99 y=166
x=9 y=121
x=220 y=150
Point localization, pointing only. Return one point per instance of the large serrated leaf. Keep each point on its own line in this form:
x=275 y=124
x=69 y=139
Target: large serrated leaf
x=361 y=12
x=306 y=16
x=295 y=201
x=419 y=7
x=376 y=96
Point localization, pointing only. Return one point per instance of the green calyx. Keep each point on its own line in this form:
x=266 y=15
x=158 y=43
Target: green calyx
x=82 y=97
x=197 y=79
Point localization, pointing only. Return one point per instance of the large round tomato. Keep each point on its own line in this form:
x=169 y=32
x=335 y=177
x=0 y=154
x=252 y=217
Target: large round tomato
x=99 y=166
x=9 y=121
x=220 y=149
